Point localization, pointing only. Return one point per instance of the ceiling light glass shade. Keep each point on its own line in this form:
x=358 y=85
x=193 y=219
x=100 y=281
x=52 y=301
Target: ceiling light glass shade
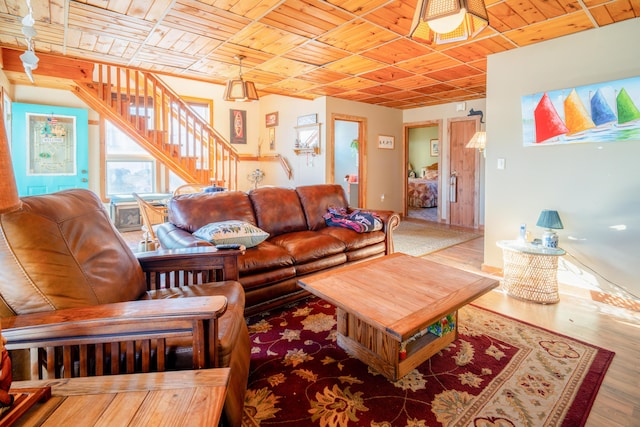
x=240 y=90
x=478 y=140
x=448 y=21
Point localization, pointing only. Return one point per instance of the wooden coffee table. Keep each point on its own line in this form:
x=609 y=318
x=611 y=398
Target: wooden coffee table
x=384 y=307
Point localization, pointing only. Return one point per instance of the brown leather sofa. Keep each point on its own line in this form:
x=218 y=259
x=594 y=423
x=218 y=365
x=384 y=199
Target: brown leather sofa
x=60 y=254
x=299 y=241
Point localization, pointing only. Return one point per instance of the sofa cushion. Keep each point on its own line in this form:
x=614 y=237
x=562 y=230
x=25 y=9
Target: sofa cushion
x=266 y=256
x=232 y=231
x=354 y=240
x=306 y=246
x=278 y=210
x=316 y=199
x=192 y=211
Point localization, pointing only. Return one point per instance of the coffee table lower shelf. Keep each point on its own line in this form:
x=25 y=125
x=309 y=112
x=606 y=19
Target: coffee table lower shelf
x=381 y=350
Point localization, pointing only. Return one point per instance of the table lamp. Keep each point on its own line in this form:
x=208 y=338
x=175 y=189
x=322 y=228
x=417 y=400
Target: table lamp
x=550 y=220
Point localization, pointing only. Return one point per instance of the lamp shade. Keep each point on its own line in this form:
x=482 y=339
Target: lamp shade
x=448 y=21
x=549 y=219
x=240 y=90
x=478 y=140
x=9 y=200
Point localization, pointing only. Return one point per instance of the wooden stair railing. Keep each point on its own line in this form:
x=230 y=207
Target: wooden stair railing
x=154 y=116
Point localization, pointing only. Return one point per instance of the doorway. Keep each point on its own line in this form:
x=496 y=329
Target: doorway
x=422 y=195
x=347 y=168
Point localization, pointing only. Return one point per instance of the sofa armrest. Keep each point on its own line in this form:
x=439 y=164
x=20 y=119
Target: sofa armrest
x=115 y=338
x=390 y=221
x=188 y=266
x=171 y=236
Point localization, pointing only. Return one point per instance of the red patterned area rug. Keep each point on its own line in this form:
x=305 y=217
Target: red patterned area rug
x=499 y=372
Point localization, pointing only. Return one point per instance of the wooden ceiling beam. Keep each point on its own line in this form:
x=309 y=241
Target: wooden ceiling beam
x=49 y=65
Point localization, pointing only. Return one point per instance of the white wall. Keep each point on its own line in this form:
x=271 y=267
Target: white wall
x=594 y=186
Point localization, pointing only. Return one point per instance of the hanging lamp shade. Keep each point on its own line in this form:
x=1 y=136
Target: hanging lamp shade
x=478 y=140
x=448 y=21
x=240 y=90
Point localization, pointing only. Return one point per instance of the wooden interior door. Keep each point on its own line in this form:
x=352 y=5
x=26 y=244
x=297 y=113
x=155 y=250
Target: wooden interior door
x=464 y=177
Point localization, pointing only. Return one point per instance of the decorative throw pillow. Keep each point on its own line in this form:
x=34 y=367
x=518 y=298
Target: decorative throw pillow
x=358 y=221
x=232 y=231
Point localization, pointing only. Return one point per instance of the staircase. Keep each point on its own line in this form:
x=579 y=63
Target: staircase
x=154 y=116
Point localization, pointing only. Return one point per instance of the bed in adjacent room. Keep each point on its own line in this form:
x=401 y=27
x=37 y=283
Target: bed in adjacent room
x=423 y=192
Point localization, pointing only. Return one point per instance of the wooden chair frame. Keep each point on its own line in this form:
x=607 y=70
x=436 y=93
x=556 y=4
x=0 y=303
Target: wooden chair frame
x=152 y=215
x=131 y=336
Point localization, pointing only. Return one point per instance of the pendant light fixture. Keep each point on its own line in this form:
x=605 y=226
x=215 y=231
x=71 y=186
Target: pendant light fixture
x=448 y=21
x=238 y=89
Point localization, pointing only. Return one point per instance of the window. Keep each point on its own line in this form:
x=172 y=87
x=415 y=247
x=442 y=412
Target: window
x=128 y=167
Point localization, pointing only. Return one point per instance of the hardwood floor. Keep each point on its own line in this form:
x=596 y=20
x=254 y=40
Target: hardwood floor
x=576 y=315
x=616 y=329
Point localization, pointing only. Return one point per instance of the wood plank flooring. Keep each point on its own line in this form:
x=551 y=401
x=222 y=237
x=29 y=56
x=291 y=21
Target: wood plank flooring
x=578 y=316
x=616 y=329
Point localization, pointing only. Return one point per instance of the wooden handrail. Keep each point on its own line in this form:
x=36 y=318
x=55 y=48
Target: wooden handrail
x=157 y=118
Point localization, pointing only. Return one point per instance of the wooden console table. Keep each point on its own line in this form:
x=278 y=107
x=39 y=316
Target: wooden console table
x=176 y=398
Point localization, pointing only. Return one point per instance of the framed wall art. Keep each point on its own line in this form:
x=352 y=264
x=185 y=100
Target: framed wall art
x=271 y=119
x=238 y=126
x=434 y=147
x=599 y=112
x=386 y=142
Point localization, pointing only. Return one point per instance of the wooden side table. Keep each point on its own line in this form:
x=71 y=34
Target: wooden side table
x=175 y=398
x=531 y=271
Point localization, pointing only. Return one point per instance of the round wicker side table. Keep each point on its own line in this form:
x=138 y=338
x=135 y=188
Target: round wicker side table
x=530 y=271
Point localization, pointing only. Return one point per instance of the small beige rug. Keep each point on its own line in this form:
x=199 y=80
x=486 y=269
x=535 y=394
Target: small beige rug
x=418 y=238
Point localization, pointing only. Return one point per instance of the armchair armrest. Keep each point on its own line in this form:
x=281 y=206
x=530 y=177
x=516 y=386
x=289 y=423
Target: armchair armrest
x=115 y=338
x=166 y=268
x=170 y=236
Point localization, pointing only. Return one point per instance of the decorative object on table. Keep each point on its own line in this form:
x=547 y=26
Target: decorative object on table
x=256 y=177
x=238 y=89
x=550 y=220
x=386 y=142
x=271 y=119
x=448 y=21
x=6 y=376
x=238 y=126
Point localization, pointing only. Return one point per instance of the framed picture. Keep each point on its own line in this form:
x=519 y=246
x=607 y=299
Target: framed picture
x=309 y=119
x=434 y=147
x=387 y=142
x=271 y=119
x=238 y=126
x=272 y=138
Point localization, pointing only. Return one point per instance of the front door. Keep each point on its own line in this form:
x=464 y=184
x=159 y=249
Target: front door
x=49 y=148
x=463 y=178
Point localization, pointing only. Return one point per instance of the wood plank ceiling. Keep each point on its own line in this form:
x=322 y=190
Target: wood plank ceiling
x=351 y=49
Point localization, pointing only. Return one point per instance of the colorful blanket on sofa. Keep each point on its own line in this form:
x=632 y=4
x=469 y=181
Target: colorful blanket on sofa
x=358 y=221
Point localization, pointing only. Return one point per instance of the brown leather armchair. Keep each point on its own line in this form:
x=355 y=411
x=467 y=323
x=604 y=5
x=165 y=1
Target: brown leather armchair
x=76 y=301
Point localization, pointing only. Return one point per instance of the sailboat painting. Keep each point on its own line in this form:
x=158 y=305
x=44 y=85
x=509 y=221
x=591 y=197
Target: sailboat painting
x=601 y=112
